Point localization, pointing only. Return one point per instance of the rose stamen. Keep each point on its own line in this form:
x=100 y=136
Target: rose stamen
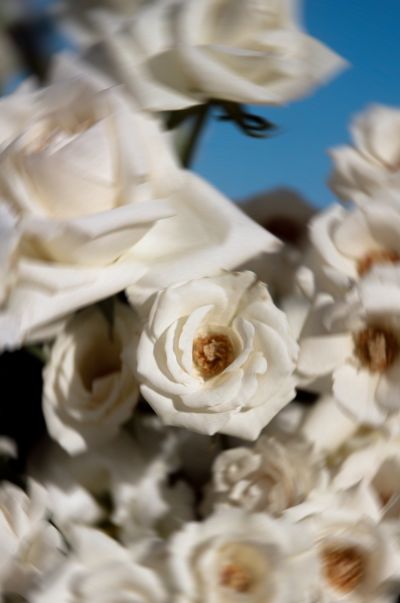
x=212 y=354
x=236 y=577
x=376 y=348
x=344 y=568
x=377 y=256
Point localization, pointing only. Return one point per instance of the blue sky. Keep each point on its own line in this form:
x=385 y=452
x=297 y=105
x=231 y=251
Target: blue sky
x=367 y=34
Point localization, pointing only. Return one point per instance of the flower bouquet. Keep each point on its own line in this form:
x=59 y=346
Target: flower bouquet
x=201 y=404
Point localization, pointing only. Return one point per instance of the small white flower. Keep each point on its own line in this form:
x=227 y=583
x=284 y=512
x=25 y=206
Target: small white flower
x=89 y=389
x=100 y=569
x=373 y=163
x=234 y=556
x=357 y=556
x=110 y=573
x=122 y=485
x=357 y=343
x=10 y=235
x=377 y=465
x=326 y=426
x=176 y=54
x=347 y=245
x=216 y=355
x=275 y=474
x=31 y=548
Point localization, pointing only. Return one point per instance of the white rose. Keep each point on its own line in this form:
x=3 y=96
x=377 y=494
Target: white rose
x=250 y=51
x=356 y=342
x=100 y=569
x=373 y=163
x=207 y=233
x=377 y=465
x=110 y=573
x=326 y=426
x=91 y=201
x=233 y=556
x=123 y=483
x=216 y=355
x=346 y=245
x=89 y=390
x=357 y=556
x=31 y=548
x=9 y=241
x=83 y=193
x=270 y=477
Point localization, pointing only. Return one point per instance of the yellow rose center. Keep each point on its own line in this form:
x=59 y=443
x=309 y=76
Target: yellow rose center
x=212 y=354
x=377 y=256
x=376 y=348
x=344 y=567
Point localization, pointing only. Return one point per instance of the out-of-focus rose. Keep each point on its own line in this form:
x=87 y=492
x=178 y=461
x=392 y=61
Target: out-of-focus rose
x=89 y=389
x=9 y=241
x=83 y=194
x=326 y=426
x=270 y=477
x=347 y=245
x=122 y=485
x=100 y=569
x=236 y=556
x=91 y=198
x=30 y=546
x=216 y=355
x=377 y=465
x=373 y=164
x=176 y=54
x=357 y=343
x=357 y=555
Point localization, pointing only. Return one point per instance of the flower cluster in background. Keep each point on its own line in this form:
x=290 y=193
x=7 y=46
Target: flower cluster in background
x=219 y=397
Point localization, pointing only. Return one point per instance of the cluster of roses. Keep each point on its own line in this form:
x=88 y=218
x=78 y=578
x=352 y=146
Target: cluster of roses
x=119 y=259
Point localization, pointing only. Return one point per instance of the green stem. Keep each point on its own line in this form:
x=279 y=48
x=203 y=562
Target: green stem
x=190 y=148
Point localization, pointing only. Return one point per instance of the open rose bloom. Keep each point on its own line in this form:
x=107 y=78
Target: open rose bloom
x=199 y=404
x=217 y=355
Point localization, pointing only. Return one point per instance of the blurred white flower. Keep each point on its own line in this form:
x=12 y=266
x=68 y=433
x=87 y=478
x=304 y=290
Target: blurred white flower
x=83 y=194
x=31 y=548
x=207 y=233
x=273 y=475
x=346 y=245
x=91 y=200
x=357 y=556
x=326 y=425
x=173 y=54
x=372 y=164
x=10 y=235
x=100 y=569
x=234 y=556
x=111 y=573
x=377 y=465
x=216 y=355
x=89 y=390
x=357 y=342
x=122 y=485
